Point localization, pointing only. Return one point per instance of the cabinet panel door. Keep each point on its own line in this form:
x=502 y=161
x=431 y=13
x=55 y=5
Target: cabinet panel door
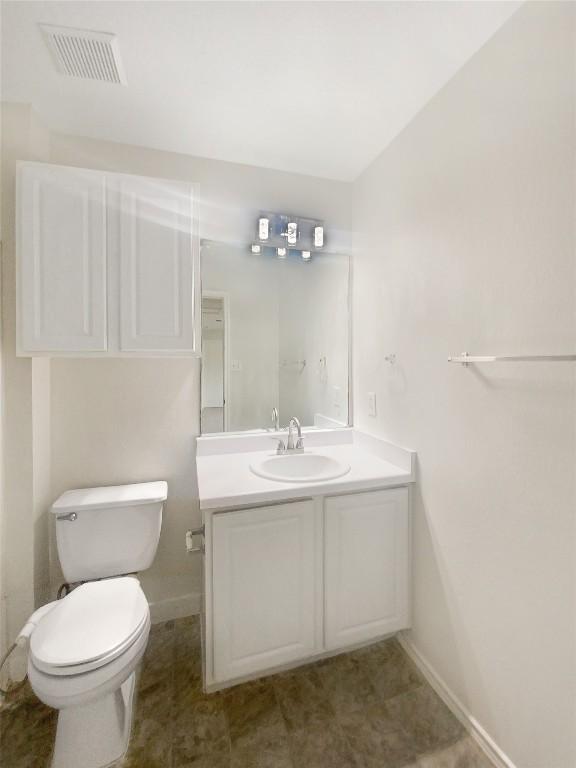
x=158 y=266
x=264 y=587
x=62 y=259
x=366 y=566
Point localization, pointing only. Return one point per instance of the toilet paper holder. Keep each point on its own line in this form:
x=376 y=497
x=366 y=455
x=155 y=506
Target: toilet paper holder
x=190 y=546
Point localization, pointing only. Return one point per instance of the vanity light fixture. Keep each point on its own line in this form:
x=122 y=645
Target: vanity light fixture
x=263 y=228
x=284 y=235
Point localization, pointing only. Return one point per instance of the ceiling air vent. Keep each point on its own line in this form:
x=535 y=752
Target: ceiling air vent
x=82 y=53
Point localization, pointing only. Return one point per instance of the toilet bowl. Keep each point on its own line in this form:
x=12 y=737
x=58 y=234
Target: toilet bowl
x=82 y=661
x=85 y=648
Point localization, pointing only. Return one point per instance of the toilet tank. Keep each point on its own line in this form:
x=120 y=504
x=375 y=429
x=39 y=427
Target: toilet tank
x=108 y=531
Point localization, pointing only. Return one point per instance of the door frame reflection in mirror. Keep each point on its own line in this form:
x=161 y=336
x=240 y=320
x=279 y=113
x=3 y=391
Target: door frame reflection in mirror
x=207 y=294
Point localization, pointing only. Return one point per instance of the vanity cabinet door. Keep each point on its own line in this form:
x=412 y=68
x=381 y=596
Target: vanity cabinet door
x=366 y=566
x=61 y=247
x=266 y=566
x=158 y=265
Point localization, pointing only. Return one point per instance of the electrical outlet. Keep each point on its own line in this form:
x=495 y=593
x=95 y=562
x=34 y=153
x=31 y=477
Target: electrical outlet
x=371 y=403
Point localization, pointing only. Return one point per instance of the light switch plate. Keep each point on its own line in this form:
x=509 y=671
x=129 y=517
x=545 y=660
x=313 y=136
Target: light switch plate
x=371 y=403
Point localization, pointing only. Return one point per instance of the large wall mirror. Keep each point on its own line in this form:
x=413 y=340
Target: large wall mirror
x=275 y=335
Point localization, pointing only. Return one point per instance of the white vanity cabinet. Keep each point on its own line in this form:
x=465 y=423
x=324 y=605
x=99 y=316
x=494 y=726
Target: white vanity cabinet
x=108 y=264
x=266 y=565
x=298 y=580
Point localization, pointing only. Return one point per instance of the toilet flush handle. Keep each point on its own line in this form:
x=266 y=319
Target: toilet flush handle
x=70 y=517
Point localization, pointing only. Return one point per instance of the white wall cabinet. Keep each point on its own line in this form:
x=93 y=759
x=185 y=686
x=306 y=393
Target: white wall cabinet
x=295 y=581
x=265 y=567
x=108 y=264
x=156 y=269
x=62 y=259
x=366 y=566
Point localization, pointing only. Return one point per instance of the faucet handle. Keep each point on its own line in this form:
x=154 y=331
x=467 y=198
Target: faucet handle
x=280 y=447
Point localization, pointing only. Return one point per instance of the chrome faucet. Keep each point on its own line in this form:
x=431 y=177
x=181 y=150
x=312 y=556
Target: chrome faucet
x=299 y=447
x=289 y=447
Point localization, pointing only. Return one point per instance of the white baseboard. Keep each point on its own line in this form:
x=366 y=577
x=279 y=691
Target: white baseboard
x=175 y=607
x=478 y=733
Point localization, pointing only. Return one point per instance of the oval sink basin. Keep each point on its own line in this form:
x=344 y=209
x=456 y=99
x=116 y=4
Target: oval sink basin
x=300 y=468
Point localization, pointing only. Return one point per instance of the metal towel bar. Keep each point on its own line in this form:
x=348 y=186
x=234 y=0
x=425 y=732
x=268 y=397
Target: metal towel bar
x=465 y=358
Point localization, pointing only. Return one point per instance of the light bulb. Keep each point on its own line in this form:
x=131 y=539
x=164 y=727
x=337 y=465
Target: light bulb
x=256 y=248
x=292 y=232
x=281 y=252
x=263 y=228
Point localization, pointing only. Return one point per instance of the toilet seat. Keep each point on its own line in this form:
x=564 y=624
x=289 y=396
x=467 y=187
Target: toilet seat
x=90 y=627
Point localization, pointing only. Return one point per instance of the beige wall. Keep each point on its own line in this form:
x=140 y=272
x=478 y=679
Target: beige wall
x=466 y=242
x=124 y=421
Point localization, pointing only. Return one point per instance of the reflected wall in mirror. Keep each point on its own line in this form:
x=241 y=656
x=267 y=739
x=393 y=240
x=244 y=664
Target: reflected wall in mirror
x=275 y=334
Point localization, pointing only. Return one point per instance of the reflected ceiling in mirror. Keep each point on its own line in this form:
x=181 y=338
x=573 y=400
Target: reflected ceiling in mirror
x=275 y=335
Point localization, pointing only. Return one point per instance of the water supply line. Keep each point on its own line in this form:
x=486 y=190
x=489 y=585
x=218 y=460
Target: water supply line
x=22 y=641
x=14 y=688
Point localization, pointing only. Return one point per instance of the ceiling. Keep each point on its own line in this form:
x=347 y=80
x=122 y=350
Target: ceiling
x=319 y=88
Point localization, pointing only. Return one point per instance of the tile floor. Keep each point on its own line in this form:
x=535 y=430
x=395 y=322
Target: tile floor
x=364 y=709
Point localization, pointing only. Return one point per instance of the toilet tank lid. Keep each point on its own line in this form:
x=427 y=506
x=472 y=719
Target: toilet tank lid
x=111 y=496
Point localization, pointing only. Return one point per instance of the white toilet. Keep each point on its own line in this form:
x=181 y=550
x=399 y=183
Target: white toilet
x=84 y=649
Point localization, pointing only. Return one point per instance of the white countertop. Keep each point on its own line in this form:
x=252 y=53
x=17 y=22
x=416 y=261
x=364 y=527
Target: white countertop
x=225 y=479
